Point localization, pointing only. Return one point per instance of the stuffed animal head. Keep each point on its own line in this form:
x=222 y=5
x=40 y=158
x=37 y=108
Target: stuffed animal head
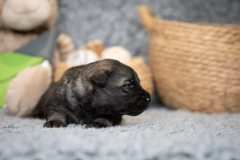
x=27 y=15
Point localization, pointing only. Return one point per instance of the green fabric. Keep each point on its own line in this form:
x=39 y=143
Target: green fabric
x=11 y=63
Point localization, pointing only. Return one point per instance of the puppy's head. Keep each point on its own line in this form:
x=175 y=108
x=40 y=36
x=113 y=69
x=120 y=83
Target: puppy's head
x=114 y=88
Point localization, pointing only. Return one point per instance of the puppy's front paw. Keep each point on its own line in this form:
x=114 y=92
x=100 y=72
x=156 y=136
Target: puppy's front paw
x=54 y=124
x=55 y=120
x=95 y=125
x=100 y=123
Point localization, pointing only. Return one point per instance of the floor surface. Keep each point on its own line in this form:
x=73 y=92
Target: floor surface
x=158 y=133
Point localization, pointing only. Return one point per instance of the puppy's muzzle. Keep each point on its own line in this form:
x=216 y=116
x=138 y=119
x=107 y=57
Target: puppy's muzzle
x=141 y=105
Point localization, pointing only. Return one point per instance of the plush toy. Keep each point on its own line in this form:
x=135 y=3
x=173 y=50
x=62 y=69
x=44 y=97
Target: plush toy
x=96 y=46
x=84 y=55
x=31 y=16
x=81 y=57
x=22 y=22
x=25 y=15
x=32 y=79
x=26 y=89
x=65 y=46
x=116 y=52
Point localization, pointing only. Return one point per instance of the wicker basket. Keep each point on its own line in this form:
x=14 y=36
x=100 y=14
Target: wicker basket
x=195 y=66
x=137 y=63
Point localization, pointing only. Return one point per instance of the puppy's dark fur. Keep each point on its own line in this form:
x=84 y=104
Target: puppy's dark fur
x=97 y=94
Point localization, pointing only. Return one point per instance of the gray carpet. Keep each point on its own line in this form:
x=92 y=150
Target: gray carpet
x=158 y=133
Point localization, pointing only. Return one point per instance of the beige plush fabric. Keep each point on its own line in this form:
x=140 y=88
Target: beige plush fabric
x=81 y=57
x=25 y=15
x=116 y=52
x=19 y=39
x=65 y=46
x=54 y=14
x=1 y=7
x=26 y=89
x=11 y=41
x=97 y=46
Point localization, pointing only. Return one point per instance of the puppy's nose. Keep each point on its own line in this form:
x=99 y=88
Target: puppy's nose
x=148 y=99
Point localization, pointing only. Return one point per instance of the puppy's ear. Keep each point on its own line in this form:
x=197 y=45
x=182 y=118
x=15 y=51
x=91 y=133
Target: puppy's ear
x=100 y=78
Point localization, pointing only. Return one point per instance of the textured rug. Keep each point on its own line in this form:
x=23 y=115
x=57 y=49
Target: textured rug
x=158 y=133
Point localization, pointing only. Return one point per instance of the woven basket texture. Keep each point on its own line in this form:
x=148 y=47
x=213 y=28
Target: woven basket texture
x=137 y=63
x=195 y=66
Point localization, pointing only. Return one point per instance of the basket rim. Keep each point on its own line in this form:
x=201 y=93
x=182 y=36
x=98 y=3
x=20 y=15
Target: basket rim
x=149 y=18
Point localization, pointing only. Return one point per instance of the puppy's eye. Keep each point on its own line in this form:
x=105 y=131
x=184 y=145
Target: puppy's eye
x=129 y=86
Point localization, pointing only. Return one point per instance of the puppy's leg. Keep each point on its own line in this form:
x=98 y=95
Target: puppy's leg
x=105 y=121
x=55 y=119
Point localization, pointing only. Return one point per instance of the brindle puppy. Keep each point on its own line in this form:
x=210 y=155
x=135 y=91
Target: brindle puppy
x=97 y=94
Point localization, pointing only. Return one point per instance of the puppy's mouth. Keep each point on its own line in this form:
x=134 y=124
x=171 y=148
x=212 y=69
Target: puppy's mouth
x=134 y=113
x=137 y=112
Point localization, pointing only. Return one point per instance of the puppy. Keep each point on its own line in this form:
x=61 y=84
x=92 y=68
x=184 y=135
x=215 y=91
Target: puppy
x=97 y=94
